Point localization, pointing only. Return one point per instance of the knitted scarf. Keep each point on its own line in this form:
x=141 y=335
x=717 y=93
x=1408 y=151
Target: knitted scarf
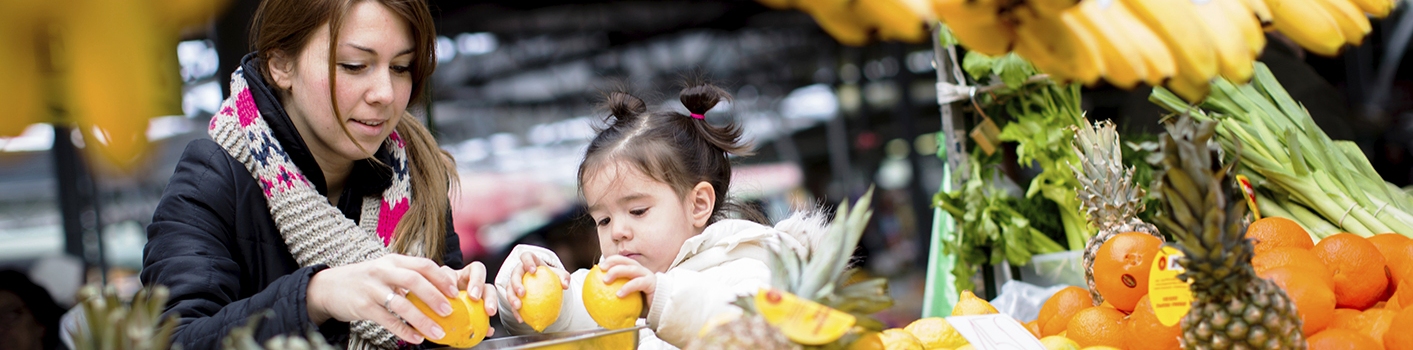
x=315 y=231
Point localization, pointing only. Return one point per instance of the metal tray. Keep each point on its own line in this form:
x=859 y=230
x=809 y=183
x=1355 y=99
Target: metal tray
x=599 y=339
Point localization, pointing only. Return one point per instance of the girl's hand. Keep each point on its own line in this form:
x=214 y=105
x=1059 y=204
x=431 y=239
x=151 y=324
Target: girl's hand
x=640 y=279
x=528 y=263
x=376 y=290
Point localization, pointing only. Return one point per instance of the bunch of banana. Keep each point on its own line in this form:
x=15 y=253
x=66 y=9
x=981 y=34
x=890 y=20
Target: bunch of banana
x=857 y=22
x=1324 y=26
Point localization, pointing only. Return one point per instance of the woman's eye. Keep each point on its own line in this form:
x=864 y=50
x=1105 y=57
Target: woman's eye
x=401 y=69
x=638 y=212
x=352 y=67
x=603 y=222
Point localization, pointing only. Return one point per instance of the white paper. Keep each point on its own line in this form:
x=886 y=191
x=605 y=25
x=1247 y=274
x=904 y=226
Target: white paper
x=995 y=332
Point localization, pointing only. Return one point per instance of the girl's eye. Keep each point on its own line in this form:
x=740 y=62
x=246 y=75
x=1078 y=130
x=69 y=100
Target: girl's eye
x=638 y=212
x=401 y=69
x=354 y=68
x=603 y=222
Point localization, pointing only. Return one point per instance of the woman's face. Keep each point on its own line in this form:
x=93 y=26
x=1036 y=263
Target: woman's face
x=372 y=63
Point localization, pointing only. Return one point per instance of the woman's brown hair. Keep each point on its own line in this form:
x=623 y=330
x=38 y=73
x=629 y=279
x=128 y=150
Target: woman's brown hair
x=676 y=149
x=285 y=27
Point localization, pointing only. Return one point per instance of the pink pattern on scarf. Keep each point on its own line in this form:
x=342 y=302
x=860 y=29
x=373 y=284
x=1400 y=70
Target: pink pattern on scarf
x=388 y=218
x=245 y=107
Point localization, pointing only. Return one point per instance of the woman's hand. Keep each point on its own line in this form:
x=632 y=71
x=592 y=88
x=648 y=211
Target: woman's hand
x=472 y=279
x=528 y=263
x=375 y=290
x=640 y=278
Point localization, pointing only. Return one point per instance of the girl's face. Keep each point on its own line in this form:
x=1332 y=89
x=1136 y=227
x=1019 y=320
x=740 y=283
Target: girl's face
x=641 y=218
x=372 y=62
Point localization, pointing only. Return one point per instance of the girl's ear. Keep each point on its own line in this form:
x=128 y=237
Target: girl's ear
x=701 y=200
x=281 y=68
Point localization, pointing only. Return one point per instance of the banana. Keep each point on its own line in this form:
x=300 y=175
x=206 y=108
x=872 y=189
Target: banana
x=1377 y=8
x=1231 y=24
x=1180 y=27
x=901 y=20
x=978 y=25
x=1059 y=46
x=1259 y=8
x=1352 y=21
x=1307 y=23
x=1050 y=8
x=1190 y=87
x=1248 y=22
x=1123 y=58
x=838 y=19
x=1157 y=58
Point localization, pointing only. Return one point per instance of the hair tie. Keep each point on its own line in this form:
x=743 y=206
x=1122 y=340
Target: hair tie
x=698 y=116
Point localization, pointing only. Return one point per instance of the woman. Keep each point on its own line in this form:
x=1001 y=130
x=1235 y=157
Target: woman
x=320 y=199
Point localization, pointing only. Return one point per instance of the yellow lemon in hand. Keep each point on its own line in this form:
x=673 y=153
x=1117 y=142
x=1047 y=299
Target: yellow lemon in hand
x=968 y=305
x=936 y=333
x=603 y=304
x=543 y=294
x=465 y=327
x=898 y=339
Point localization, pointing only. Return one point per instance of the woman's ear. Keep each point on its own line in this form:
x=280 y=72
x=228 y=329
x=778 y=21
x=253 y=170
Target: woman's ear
x=281 y=68
x=702 y=201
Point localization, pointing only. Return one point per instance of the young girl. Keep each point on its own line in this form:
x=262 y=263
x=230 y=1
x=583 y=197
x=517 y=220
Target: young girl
x=318 y=197
x=655 y=184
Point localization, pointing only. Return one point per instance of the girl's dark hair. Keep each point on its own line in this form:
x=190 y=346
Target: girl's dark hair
x=678 y=150
x=39 y=303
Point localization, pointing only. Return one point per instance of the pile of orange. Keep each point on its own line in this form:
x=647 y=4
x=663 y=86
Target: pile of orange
x=1125 y=319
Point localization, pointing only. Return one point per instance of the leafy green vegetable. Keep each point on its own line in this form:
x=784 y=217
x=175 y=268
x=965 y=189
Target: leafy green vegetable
x=992 y=228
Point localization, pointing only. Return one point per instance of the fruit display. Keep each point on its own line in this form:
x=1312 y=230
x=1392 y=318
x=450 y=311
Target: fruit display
x=1112 y=201
x=1299 y=173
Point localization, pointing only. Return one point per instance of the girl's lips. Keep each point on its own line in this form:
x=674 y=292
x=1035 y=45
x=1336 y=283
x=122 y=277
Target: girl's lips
x=361 y=127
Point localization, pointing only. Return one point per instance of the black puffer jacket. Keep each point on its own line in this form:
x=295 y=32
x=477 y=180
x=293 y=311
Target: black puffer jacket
x=213 y=242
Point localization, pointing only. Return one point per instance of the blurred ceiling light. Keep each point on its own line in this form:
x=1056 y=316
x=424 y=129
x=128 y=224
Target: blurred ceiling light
x=198 y=59
x=164 y=127
x=920 y=61
x=446 y=49
x=37 y=137
x=202 y=99
x=472 y=44
x=815 y=101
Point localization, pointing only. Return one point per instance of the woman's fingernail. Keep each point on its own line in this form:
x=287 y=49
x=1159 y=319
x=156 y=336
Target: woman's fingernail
x=416 y=339
x=438 y=332
x=444 y=310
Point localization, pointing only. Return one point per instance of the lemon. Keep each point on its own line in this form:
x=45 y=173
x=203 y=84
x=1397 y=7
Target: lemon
x=543 y=294
x=870 y=341
x=803 y=321
x=1056 y=342
x=968 y=305
x=966 y=347
x=465 y=327
x=603 y=304
x=936 y=333
x=621 y=341
x=898 y=339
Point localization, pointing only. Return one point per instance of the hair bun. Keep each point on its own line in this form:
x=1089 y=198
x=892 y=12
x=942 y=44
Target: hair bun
x=624 y=106
x=700 y=98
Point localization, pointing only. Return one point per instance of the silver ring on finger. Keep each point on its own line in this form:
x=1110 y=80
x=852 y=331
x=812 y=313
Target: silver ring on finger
x=387 y=302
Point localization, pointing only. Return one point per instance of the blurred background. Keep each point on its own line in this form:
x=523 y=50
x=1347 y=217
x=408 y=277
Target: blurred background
x=513 y=99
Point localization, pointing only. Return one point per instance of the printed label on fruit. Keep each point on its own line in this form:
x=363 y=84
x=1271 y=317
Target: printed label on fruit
x=1250 y=192
x=803 y=321
x=994 y=332
x=1171 y=296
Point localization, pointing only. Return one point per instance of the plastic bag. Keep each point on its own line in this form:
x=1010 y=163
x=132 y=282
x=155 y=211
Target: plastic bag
x=1023 y=300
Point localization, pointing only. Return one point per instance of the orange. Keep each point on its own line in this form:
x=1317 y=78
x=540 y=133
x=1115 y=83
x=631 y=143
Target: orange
x=1372 y=322
x=1405 y=292
x=1314 y=301
x=1143 y=331
x=1097 y=326
x=1344 y=318
x=1273 y=232
x=1056 y=312
x=1395 y=249
x=1358 y=267
x=1341 y=339
x=1034 y=327
x=1300 y=259
x=1121 y=268
x=1402 y=338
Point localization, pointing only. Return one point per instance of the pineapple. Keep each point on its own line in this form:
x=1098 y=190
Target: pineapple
x=243 y=338
x=1232 y=308
x=110 y=323
x=1107 y=193
x=823 y=277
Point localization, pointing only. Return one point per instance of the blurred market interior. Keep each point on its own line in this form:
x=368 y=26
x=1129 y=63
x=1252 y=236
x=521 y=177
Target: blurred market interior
x=513 y=99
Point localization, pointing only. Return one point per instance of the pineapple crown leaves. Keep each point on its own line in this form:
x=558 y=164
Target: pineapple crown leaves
x=1110 y=196
x=1202 y=208
x=243 y=338
x=111 y=323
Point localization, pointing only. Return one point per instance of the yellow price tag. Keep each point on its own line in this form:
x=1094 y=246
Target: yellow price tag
x=1250 y=192
x=1171 y=296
